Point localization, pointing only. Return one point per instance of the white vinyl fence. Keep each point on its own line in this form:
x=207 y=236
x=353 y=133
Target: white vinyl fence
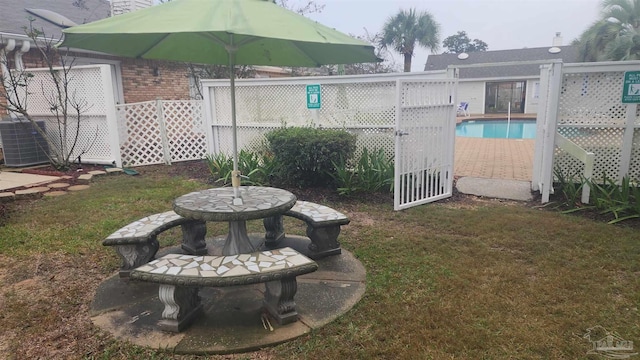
x=586 y=129
x=92 y=86
x=161 y=132
x=410 y=116
x=363 y=105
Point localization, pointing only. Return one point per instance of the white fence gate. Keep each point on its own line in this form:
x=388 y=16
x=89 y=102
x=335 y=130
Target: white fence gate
x=585 y=128
x=425 y=141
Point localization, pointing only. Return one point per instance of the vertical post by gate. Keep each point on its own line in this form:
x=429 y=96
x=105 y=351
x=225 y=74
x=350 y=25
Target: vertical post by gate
x=163 y=133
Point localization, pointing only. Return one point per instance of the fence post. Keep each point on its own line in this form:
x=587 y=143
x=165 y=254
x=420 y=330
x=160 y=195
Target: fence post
x=113 y=137
x=209 y=103
x=166 y=151
x=627 y=142
x=549 y=131
x=588 y=173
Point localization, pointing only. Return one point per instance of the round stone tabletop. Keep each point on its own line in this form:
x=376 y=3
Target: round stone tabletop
x=217 y=204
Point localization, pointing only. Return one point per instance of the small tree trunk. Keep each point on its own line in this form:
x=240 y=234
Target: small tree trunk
x=407 y=62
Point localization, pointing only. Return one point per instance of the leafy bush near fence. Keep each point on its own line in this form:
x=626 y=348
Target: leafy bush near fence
x=373 y=172
x=618 y=200
x=308 y=156
x=256 y=169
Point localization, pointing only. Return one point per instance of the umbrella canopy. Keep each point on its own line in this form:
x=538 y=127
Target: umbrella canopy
x=227 y=32
x=204 y=31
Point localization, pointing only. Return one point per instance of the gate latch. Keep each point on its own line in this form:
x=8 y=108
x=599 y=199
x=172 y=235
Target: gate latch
x=401 y=133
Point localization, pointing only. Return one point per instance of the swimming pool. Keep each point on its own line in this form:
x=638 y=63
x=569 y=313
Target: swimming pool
x=497 y=129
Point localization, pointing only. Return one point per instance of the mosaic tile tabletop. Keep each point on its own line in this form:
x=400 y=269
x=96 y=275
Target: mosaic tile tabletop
x=217 y=204
x=179 y=269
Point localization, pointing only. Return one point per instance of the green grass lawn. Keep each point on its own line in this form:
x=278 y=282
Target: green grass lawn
x=467 y=279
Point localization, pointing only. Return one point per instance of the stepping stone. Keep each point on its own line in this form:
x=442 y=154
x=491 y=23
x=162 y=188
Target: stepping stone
x=97 y=172
x=66 y=177
x=78 y=187
x=58 y=185
x=114 y=170
x=55 y=193
x=7 y=196
x=85 y=178
x=31 y=193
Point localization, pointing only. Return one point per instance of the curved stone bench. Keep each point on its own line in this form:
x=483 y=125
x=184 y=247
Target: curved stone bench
x=137 y=243
x=323 y=227
x=181 y=276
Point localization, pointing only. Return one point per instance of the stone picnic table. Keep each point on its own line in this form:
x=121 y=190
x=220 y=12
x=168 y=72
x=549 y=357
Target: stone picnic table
x=218 y=204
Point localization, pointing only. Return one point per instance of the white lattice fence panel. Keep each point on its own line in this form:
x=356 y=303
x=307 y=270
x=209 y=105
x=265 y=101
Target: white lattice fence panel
x=140 y=135
x=343 y=105
x=85 y=87
x=250 y=138
x=604 y=142
x=591 y=115
x=87 y=137
x=89 y=142
x=185 y=129
x=364 y=108
x=373 y=139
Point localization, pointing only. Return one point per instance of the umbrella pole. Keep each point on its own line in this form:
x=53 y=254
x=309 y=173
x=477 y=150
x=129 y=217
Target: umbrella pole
x=235 y=175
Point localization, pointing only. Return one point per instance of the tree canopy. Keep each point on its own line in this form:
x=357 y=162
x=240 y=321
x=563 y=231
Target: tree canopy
x=407 y=28
x=460 y=43
x=615 y=36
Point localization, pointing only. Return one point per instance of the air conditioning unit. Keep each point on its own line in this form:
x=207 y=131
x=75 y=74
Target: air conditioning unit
x=22 y=145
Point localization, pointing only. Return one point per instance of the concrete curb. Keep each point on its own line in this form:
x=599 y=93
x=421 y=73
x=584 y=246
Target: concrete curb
x=495 y=188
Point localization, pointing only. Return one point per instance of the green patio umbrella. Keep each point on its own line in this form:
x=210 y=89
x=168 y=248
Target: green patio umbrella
x=227 y=32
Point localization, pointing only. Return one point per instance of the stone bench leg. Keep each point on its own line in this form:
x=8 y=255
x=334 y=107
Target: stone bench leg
x=324 y=241
x=134 y=255
x=193 y=233
x=278 y=300
x=274 y=230
x=181 y=306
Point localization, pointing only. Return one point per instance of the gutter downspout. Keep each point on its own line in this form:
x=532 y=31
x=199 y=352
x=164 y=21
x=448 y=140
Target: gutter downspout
x=6 y=47
x=26 y=46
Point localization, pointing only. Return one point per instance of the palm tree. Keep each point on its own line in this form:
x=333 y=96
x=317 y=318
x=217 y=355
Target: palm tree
x=616 y=36
x=407 y=28
x=593 y=42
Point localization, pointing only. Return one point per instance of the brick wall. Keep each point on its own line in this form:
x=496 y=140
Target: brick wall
x=144 y=80
x=140 y=79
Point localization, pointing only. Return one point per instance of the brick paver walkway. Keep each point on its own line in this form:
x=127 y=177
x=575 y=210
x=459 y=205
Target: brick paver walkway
x=494 y=158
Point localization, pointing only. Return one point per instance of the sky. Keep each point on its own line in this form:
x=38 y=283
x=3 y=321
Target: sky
x=502 y=24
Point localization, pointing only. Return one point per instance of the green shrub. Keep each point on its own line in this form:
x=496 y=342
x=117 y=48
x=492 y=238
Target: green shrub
x=220 y=166
x=620 y=200
x=256 y=169
x=571 y=188
x=306 y=156
x=374 y=172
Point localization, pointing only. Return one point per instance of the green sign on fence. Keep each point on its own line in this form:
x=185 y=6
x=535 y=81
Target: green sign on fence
x=313 y=97
x=631 y=87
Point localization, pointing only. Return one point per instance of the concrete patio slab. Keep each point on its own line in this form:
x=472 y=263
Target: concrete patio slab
x=232 y=318
x=495 y=188
x=12 y=180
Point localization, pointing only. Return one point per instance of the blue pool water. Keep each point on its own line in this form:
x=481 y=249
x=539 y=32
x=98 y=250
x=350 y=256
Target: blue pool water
x=497 y=129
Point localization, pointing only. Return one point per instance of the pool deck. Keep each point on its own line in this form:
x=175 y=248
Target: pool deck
x=506 y=159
